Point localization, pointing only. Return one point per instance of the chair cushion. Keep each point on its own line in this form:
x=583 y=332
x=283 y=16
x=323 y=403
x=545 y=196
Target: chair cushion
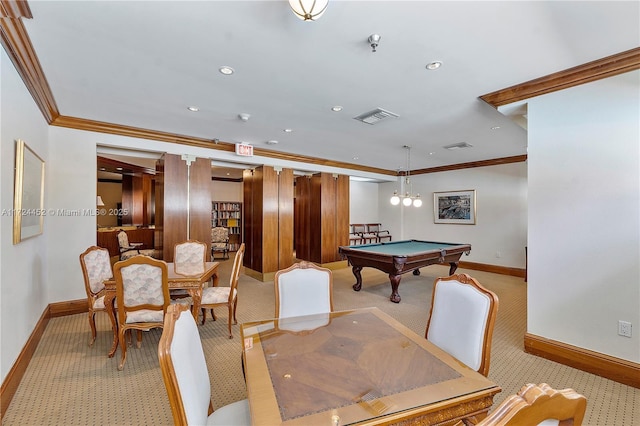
x=234 y=414
x=144 y=315
x=213 y=295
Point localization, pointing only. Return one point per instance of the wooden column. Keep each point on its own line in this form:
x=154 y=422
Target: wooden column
x=268 y=215
x=322 y=217
x=183 y=202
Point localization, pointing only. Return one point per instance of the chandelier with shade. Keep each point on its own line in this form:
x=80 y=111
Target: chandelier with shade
x=407 y=199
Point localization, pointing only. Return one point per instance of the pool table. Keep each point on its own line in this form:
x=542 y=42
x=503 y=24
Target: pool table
x=399 y=257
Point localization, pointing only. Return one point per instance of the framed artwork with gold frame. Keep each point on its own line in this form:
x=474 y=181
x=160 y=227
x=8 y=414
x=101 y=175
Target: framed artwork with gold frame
x=28 y=196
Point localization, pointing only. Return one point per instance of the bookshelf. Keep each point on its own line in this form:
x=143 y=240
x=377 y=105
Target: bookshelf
x=229 y=215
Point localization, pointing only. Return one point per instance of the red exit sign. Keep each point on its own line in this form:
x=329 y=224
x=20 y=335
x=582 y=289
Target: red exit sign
x=244 y=149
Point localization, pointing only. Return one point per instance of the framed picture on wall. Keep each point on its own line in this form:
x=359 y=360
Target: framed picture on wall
x=455 y=207
x=28 y=197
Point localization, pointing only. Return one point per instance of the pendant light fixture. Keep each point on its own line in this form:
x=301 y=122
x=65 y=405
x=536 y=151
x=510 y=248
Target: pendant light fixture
x=308 y=10
x=407 y=199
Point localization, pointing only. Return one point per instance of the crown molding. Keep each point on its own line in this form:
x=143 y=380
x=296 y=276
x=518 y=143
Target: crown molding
x=591 y=71
x=16 y=42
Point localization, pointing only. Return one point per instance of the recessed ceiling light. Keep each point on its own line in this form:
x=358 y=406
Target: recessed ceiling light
x=272 y=142
x=336 y=108
x=356 y=158
x=193 y=108
x=434 y=65
x=226 y=70
x=288 y=130
x=495 y=127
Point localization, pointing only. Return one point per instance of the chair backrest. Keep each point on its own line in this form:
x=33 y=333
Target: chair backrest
x=189 y=257
x=373 y=227
x=539 y=405
x=96 y=268
x=461 y=321
x=123 y=241
x=184 y=369
x=142 y=289
x=359 y=228
x=219 y=234
x=303 y=289
x=235 y=271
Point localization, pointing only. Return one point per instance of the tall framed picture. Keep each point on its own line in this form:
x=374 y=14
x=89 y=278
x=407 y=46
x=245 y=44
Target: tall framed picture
x=456 y=207
x=28 y=197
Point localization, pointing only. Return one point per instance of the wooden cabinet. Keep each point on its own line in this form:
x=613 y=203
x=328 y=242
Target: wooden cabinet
x=229 y=215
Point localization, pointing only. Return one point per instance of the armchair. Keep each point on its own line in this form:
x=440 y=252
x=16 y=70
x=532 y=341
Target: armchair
x=220 y=241
x=128 y=250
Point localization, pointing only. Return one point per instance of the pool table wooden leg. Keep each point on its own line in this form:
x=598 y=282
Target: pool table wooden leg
x=356 y=272
x=395 y=282
x=452 y=269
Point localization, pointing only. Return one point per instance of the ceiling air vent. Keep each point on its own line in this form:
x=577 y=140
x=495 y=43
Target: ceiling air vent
x=459 y=145
x=375 y=116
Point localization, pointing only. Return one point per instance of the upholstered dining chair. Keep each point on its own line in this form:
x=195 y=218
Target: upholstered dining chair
x=142 y=297
x=186 y=378
x=189 y=258
x=461 y=321
x=128 y=250
x=304 y=288
x=213 y=297
x=96 y=269
x=220 y=241
x=539 y=405
x=382 y=235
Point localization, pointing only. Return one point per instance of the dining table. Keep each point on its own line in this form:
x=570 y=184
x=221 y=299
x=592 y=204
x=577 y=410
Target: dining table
x=192 y=284
x=357 y=366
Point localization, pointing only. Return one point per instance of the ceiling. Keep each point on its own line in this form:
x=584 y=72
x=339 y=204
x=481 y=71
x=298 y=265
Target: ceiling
x=143 y=63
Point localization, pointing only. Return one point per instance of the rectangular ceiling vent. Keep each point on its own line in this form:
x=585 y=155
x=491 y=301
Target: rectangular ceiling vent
x=375 y=116
x=459 y=145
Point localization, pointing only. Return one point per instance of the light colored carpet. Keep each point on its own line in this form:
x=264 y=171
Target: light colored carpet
x=68 y=383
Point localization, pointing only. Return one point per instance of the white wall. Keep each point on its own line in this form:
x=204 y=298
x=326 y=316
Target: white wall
x=584 y=215
x=23 y=277
x=363 y=202
x=501 y=212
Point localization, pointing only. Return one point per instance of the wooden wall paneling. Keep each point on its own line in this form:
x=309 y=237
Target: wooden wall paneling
x=200 y=202
x=302 y=224
x=137 y=196
x=159 y=205
x=127 y=200
x=285 y=219
x=270 y=220
x=148 y=207
x=328 y=242
x=174 y=204
x=342 y=213
x=249 y=226
x=315 y=219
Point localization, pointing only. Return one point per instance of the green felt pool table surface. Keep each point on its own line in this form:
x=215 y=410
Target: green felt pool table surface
x=404 y=248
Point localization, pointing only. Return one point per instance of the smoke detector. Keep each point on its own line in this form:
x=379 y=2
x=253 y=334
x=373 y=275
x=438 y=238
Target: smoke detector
x=244 y=116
